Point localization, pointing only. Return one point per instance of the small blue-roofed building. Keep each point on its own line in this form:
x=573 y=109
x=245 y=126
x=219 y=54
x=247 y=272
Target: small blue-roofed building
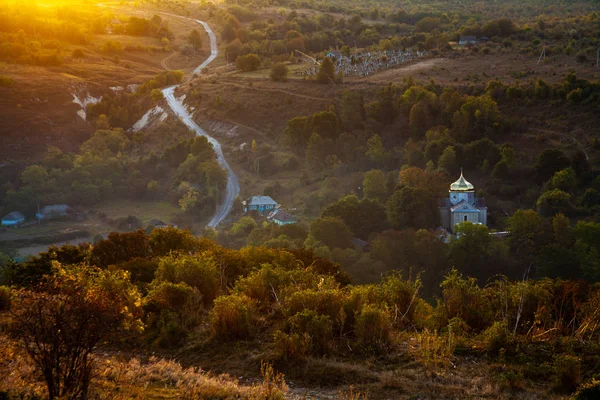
x=260 y=204
x=15 y=218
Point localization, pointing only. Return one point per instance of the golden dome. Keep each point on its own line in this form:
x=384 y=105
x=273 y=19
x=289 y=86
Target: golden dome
x=461 y=185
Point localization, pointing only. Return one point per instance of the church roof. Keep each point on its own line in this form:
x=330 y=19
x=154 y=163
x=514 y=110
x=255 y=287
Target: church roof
x=461 y=185
x=463 y=206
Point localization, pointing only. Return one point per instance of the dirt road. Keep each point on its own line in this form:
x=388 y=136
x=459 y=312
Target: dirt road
x=233 y=186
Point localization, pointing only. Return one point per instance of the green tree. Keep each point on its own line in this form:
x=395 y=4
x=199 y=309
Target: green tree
x=363 y=217
x=326 y=72
x=331 y=232
x=374 y=185
x=564 y=180
x=447 y=160
x=249 y=62
x=157 y=95
x=298 y=131
x=279 y=72
x=195 y=39
x=326 y=124
x=412 y=207
x=550 y=161
x=189 y=200
x=376 y=152
x=476 y=118
x=553 y=202
x=316 y=152
x=527 y=235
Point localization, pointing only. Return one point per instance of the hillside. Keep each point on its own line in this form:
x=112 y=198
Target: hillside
x=318 y=200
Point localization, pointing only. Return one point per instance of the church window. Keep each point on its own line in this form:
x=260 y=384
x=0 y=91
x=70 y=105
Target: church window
x=465 y=218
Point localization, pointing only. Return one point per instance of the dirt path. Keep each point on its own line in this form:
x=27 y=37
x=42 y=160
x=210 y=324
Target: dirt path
x=163 y=62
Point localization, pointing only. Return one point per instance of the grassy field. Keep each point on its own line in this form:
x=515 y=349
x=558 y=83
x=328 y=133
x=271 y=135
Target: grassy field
x=145 y=211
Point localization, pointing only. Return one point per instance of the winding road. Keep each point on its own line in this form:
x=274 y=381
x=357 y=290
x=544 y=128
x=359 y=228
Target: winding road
x=233 y=185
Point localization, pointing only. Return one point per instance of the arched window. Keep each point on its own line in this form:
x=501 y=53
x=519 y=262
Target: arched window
x=466 y=218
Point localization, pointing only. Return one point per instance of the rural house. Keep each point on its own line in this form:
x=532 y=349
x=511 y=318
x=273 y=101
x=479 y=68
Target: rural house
x=15 y=218
x=464 y=40
x=260 y=204
x=462 y=206
x=55 y=211
x=282 y=217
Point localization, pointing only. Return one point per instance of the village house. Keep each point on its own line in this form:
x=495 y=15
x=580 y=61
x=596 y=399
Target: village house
x=15 y=218
x=464 y=40
x=56 y=211
x=282 y=217
x=259 y=204
x=462 y=206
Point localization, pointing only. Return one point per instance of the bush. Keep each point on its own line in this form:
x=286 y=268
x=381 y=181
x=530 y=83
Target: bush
x=496 y=337
x=372 y=328
x=5 y=81
x=233 y=317
x=315 y=329
x=197 y=271
x=157 y=95
x=249 y=62
x=588 y=391
x=567 y=370
x=5 y=295
x=78 y=53
x=279 y=72
x=512 y=380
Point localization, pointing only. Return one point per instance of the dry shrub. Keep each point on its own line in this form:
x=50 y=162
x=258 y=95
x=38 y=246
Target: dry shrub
x=4 y=298
x=190 y=383
x=18 y=375
x=351 y=394
x=324 y=301
x=512 y=380
x=233 y=317
x=588 y=391
x=432 y=349
x=567 y=371
x=314 y=329
x=291 y=346
x=496 y=337
x=372 y=328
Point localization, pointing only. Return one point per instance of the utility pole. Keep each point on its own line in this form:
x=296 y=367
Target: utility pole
x=598 y=57
x=543 y=55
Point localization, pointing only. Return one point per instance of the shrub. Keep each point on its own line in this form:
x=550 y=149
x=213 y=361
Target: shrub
x=5 y=81
x=157 y=95
x=233 y=317
x=567 y=370
x=512 y=380
x=197 y=271
x=78 y=53
x=315 y=328
x=279 y=72
x=249 y=62
x=496 y=337
x=372 y=328
x=588 y=391
x=5 y=295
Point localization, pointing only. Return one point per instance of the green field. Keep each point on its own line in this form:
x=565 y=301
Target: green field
x=145 y=211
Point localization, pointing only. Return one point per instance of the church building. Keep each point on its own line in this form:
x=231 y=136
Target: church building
x=462 y=205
